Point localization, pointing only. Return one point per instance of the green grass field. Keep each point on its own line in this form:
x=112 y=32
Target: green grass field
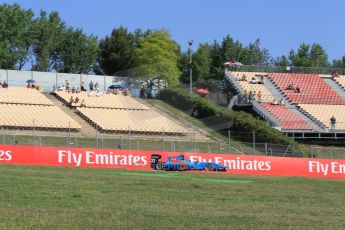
x=33 y=197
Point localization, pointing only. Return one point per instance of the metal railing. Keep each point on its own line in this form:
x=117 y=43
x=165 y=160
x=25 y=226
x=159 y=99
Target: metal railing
x=286 y=69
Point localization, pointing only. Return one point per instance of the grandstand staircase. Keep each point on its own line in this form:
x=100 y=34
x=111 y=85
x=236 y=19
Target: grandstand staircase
x=86 y=128
x=272 y=88
x=335 y=86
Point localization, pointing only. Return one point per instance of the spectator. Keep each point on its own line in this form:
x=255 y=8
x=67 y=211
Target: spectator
x=259 y=96
x=261 y=80
x=4 y=85
x=253 y=80
x=91 y=85
x=244 y=77
x=250 y=97
x=73 y=90
x=71 y=101
x=282 y=102
x=54 y=88
x=297 y=90
x=142 y=92
x=119 y=146
x=67 y=85
x=89 y=93
x=195 y=113
x=98 y=93
x=82 y=86
x=334 y=74
x=333 y=122
x=1 y=85
x=82 y=103
x=96 y=86
x=76 y=100
x=77 y=90
x=274 y=102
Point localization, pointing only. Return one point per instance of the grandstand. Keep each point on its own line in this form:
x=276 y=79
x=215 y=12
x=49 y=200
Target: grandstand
x=110 y=101
x=306 y=110
x=28 y=108
x=119 y=113
x=124 y=120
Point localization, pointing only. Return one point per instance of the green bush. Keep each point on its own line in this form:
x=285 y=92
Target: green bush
x=219 y=117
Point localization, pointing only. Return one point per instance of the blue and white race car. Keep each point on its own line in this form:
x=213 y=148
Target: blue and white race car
x=179 y=163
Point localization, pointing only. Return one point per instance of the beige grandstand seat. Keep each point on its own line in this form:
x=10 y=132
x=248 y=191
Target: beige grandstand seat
x=323 y=113
x=21 y=95
x=103 y=100
x=27 y=116
x=246 y=86
x=131 y=120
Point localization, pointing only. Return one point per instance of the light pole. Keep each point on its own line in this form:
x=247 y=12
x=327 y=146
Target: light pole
x=190 y=43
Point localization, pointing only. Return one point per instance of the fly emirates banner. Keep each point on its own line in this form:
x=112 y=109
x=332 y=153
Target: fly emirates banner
x=140 y=160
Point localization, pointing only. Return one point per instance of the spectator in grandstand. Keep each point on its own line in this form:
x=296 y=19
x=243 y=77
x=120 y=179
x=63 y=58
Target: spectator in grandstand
x=251 y=96
x=253 y=80
x=274 y=102
x=290 y=87
x=96 y=86
x=261 y=81
x=71 y=101
x=82 y=103
x=297 y=90
x=334 y=74
x=91 y=85
x=82 y=86
x=282 y=102
x=67 y=85
x=98 y=93
x=333 y=121
x=259 y=96
x=125 y=92
x=73 y=90
x=76 y=100
x=142 y=92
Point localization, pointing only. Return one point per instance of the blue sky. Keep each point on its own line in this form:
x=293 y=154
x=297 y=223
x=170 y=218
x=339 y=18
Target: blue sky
x=280 y=25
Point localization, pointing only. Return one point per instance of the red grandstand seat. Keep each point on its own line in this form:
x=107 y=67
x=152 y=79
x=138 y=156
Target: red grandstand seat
x=288 y=119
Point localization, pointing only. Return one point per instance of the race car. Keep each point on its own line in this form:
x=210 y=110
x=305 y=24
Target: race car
x=179 y=163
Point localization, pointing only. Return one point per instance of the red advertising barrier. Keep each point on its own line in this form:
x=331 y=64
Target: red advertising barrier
x=140 y=160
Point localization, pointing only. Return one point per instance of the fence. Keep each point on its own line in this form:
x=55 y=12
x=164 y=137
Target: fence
x=47 y=79
x=286 y=69
x=229 y=142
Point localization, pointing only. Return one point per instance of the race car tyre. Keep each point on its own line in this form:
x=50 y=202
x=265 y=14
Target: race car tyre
x=160 y=166
x=209 y=167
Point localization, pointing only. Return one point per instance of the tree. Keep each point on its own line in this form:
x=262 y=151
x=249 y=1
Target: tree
x=15 y=38
x=201 y=63
x=337 y=63
x=117 y=51
x=76 y=52
x=281 y=61
x=157 y=56
x=47 y=31
x=257 y=55
x=309 y=56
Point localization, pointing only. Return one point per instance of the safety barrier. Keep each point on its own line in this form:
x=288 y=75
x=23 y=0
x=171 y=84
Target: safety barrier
x=141 y=160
